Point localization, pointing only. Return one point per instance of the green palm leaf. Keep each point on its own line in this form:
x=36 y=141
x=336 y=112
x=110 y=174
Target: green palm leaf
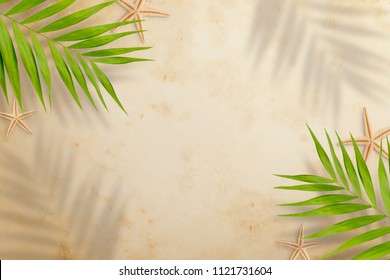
x=28 y=60
x=42 y=62
x=375 y=252
x=64 y=72
x=360 y=239
x=24 y=6
x=323 y=200
x=48 y=12
x=2 y=77
x=76 y=70
x=337 y=163
x=311 y=188
x=106 y=84
x=72 y=61
x=74 y=18
x=92 y=79
x=10 y=60
x=364 y=173
x=331 y=210
x=352 y=175
x=308 y=178
x=336 y=203
x=323 y=156
x=384 y=183
x=91 y=32
x=114 y=51
x=101 y=41
x=348 y=225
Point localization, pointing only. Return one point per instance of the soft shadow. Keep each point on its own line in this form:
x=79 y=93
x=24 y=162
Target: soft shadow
x=54 y=207
x=323 y=44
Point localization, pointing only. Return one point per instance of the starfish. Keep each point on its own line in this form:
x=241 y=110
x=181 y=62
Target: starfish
x=137 y=12
x=16 y=119
x=370 y=140
x=299 y=246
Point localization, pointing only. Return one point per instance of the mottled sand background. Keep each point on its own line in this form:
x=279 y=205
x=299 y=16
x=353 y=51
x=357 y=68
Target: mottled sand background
x=188 y=173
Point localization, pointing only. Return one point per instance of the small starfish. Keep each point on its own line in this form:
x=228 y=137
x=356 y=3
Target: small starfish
x=17 y=119
x=136 y=12
x=300 y=247
x=370 y=140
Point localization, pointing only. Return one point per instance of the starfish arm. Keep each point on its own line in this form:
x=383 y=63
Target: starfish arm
x=311 y=245
x=304 y=254
x=140 y=27
x=367 y=127
x=294 y=254
x=367 y=151
x=15 y=108
x=377 y=148
x=300 y=235
x=24 y=126
x=153 y=13
x=290 y=244
x=7 y=116
x=139 y=4
x=26 y=115
x=382 y=133
x=127 y=5
x=11 y=128
x=127 y=17
x=358 y=141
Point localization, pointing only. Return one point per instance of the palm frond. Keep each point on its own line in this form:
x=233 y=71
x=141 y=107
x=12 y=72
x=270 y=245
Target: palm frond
x=74 y=54
x=340 y=199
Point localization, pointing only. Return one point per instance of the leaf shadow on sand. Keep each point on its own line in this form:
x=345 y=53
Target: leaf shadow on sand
x=326 y=45
x=47 y=213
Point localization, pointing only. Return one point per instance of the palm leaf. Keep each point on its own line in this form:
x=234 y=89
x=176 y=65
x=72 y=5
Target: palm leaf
x=23 y=6
x=337 y=203
x=323 y=156
x=364 y=173
x=2 y=77
x=48 y=12
x=375 y=252
x=308 y=178
x=74 y=63
x=348 y=225
x=74 y=18
x=384 y=183
x=10 y=60
x=28 y=59
x=323 y=200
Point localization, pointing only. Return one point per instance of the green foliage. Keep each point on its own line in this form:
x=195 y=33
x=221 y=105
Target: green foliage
x=338 y=197
x=74 y=54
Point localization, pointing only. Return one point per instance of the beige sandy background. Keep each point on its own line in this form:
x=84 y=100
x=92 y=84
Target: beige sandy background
x=187 y=174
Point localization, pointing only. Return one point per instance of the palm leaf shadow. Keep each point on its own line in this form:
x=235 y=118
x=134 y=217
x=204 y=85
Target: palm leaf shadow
x=322 y=40
x=47 y=214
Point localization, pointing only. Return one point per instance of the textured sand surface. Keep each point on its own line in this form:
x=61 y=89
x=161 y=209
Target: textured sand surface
x=187 y=174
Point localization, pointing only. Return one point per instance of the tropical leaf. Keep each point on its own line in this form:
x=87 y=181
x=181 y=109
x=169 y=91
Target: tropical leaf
x=308 y=178
x=338 y=202
x=323 y=200
x=312 y=188
x=384 y=183
x=76 y=62
x=323 y=156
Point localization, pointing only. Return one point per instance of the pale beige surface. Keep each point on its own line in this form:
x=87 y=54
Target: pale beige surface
x=188 y=173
